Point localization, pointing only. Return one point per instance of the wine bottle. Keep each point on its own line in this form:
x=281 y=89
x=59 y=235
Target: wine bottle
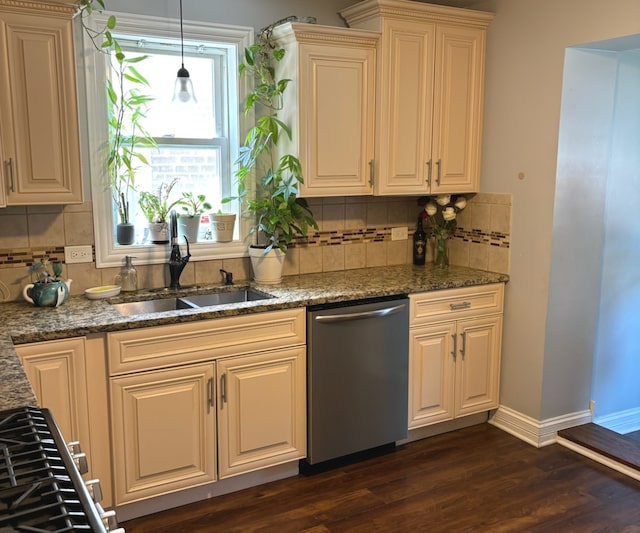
x=419 y=244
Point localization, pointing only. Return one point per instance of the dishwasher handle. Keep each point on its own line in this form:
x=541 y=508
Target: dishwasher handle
x=358 y=316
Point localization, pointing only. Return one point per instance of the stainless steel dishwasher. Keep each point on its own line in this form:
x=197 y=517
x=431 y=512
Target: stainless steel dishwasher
x=357 y=376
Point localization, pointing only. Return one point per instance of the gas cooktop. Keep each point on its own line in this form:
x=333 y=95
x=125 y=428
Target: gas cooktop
x=40 y=487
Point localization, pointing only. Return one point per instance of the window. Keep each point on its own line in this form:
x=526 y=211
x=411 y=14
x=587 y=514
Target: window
x=197 y=144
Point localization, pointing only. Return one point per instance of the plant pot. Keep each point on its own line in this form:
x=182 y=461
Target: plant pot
x=51 y=294
x=267 y=268
x=159 y=232
x=188 y=227
x=125 y=233
x=222 y=225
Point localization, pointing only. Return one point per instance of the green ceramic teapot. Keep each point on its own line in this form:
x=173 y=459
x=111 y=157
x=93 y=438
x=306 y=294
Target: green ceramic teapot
x=49 y=294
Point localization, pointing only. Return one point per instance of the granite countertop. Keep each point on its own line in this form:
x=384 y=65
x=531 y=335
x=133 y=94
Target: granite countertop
x=24 y=323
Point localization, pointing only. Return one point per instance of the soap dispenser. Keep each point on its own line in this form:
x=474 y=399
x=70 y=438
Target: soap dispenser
x=128 y=278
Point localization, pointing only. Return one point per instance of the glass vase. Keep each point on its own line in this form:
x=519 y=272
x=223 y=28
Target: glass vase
x=441 y=251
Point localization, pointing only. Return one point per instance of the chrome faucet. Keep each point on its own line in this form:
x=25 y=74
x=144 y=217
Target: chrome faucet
x=176 y=261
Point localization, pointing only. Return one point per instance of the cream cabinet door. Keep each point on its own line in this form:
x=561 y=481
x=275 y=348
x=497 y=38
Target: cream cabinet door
x=405 y=121
x=330 y=106
x=457 y=110
x=261 y=410
x=336 y=104
x=38 y=106
x=56 y=371
x=163 y=425
x=431 y=374
x=478 y=365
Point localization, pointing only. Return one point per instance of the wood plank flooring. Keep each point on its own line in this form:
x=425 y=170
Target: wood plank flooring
x=478 y=479
x=624 y=449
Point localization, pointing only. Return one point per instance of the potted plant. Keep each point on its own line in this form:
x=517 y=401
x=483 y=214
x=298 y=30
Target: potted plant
x=49 y=288
x=193 y=207
x=279 y=214
x=222 y=225
x=126 y=108
x=156 y=207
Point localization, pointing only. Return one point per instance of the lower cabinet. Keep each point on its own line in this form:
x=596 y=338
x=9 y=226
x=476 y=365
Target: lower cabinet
x=190 y=405
x=454 y=353
x=163 y=425
x=69 y=378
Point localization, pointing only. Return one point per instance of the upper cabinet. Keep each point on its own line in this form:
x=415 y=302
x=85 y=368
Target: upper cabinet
x=39 y=138
x=330 y=105
x=430 y=84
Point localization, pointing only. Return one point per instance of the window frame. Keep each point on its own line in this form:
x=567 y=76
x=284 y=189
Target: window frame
x=107 y=252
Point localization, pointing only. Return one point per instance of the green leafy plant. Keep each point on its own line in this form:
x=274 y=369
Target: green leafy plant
x=279 y=215
x=157 y=205
x=194 y=204
x=127 y=107
x=45 y=271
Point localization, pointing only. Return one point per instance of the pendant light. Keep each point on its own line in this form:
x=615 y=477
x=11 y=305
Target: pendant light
x=183 y=88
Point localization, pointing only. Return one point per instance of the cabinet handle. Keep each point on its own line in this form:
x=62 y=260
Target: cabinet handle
x=428 y=180
x=464 y=343
x=459 y=306
x=210 y=393
x=454 y=338
x=223 y=388
x=372 y=171
x=439 y=165
x=9 y=164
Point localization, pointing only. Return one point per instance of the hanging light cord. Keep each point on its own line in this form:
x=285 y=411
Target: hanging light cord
x=181 y=36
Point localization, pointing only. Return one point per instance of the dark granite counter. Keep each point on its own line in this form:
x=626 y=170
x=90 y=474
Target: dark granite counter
x=24 y=323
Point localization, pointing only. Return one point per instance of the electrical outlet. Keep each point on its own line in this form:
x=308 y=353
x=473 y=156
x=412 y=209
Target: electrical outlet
x=78 y=254
x=399 y=234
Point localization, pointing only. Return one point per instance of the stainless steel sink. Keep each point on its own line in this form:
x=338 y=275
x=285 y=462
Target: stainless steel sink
x=221 y=298
x=151 y=306
x=189 y=302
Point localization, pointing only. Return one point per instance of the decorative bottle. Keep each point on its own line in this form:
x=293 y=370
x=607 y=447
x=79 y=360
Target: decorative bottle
x=419 y=244
x=128 y=278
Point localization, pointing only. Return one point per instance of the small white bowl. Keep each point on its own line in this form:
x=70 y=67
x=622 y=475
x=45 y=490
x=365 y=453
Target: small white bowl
x=106 y=291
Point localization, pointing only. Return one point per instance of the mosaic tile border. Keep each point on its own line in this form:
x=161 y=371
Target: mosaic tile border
x=25 y=257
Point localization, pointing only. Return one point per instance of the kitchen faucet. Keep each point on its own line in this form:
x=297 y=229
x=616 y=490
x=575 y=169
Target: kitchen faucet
x=176 y=261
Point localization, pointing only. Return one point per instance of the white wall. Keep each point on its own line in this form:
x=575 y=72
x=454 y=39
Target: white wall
x=255 y=13
x=617 y=361
x=525 y=59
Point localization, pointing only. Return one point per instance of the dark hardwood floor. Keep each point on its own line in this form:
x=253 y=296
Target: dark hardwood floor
x=624 y=449
x=477 y=479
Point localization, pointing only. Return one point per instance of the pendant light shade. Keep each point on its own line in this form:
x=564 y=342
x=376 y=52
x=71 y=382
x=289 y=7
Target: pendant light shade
x=183 y=87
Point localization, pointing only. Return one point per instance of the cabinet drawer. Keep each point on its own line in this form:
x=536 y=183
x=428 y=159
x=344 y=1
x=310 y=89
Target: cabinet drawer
x=456 y=303
x=164 y=346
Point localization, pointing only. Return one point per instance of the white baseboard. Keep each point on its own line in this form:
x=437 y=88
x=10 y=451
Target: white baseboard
x=535 y=432
x=622 y=422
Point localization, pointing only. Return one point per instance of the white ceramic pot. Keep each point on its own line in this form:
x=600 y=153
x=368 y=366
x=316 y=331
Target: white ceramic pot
x=267 y=268
x=159 y=232
x=222 y=225
x=188 y=226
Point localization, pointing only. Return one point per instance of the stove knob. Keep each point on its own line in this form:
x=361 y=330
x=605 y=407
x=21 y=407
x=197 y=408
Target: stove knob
x=109 y=520
x=80 y=459
x=74 y=447
x=95 y=490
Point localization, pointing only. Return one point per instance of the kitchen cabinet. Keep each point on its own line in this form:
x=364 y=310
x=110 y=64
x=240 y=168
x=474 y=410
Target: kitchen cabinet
x=261 y=412
x=430 y=82
x=330 y=105
x=195 y=402
x=454 y=353
x=72 y=386
x=39 y=139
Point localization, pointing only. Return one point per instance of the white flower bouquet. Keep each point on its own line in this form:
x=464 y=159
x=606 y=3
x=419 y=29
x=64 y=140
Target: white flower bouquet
x=440 y=214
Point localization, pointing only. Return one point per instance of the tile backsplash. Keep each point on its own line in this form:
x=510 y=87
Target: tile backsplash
x=354 y=232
